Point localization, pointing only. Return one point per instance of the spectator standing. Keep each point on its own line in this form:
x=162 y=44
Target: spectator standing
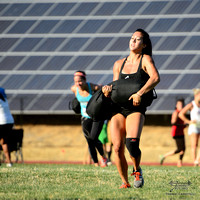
x=105 y=139
x=6 y=124
x=177 y=133
x=194 y=124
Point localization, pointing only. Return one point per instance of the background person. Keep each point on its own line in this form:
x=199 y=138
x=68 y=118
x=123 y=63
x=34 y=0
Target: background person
x=127 y=124
x=105 y=139
x=177 y=133
x=194 y=123
x=6 y=124
x=83 y=91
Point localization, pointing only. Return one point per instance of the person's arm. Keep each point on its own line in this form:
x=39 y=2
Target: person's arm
x=117 y=68
x=154 y=79
x=95 y=87
x=73 y=89
x=183 y=112
x=106 y=89
x=174 y=117
x=150 y=69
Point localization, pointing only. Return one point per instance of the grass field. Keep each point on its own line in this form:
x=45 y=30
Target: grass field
x=49 y=181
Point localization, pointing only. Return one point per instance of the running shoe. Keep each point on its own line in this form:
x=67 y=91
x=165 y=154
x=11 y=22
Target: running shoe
x=162 y=158
x=103 y=162
x=125 y=185
x=109 y=163
x=9 y=165
x=196 y=163
x=138 y=181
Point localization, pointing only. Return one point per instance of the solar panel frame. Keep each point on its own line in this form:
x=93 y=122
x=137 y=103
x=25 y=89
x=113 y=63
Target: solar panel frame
x=193 y=83
x=5 y=24
x=21 y=26
x=16 y=9
x=80 y=63
x=7 y=43
x=67 y=26
x=15 y=81
x=38 y=9
x=98 y=44
x=154 y=8
x=131 y=8
x=107 y=8
x=27 y=44
x=41 y=48
x=61 y=9
x=50 y=44
x=45 y=26
x=91 y=26
x=32 y=63
x=84 y=9
x=178 y=7
x=56 y=63
x=74 y=44
x=10 y=62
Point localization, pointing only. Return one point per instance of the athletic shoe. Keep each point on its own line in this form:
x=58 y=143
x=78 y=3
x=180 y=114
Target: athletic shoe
x=125 y=185
x=196 y=163
x=9 y=164
x=139 y=181
x=162 y=158
x=103 y=162
x=109 y=163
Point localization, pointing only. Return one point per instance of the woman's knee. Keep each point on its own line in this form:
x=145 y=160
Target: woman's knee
x=118 y=149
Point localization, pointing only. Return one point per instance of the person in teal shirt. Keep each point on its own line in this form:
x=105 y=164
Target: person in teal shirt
x=83 y=91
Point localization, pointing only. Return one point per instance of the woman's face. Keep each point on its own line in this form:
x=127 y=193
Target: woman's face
x=179 y=105
x=136 y=42
x=79 y=81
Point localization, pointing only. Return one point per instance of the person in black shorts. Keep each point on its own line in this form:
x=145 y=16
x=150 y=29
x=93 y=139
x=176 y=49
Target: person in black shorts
x=83 y=91
x=177 y=133
x=6 y=125
x=127 y=124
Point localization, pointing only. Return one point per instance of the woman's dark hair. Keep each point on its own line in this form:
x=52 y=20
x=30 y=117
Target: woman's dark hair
x=182 y=100
x=80 y=73
x=146 y=40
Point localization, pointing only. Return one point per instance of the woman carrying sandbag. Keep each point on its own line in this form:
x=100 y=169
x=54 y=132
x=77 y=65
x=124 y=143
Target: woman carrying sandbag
x=127 y=123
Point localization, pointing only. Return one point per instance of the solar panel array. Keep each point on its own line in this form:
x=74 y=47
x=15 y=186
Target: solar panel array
x=44 y=42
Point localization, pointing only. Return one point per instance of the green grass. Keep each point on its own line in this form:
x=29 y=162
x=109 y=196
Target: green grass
x=34 y=181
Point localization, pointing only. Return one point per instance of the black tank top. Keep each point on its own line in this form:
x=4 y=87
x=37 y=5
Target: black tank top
x=140 y=76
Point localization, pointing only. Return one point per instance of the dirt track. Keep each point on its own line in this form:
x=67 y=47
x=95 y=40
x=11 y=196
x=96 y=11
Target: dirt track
x=67 y=143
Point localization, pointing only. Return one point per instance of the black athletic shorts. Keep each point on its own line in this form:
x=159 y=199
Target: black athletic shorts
x=5 y=130
x=129 y=109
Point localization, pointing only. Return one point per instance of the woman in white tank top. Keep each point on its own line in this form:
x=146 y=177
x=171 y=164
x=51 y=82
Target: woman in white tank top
x=194 y=124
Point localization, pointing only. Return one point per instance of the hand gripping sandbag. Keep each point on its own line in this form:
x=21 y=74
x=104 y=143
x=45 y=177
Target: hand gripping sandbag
x=99 y=107
x=122 y=89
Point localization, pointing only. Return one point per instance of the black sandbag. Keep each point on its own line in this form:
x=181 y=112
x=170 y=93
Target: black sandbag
x=99 y=107
x=122 y=89
x=75 y=106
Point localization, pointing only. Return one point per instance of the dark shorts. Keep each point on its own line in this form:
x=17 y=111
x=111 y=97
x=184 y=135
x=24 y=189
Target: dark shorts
x=125 y=112
x=5 y=131
x=129 y=109
x=180 y=142
x=91 y=129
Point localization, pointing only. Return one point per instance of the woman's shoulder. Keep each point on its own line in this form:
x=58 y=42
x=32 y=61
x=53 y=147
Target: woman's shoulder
x=120 y=61
x=147 y=58
x=118 y=64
